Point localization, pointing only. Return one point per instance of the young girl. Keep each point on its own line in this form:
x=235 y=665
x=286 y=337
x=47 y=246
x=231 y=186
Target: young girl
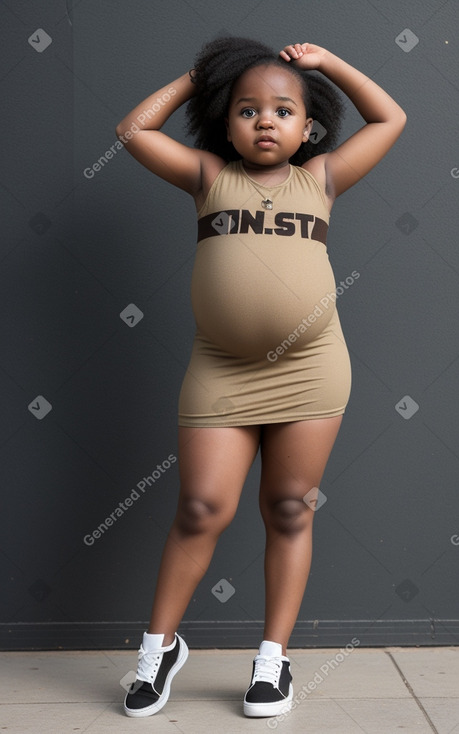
x=269 y=367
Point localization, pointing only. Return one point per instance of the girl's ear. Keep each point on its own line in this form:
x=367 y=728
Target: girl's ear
x=307 y=129
x=228 y=134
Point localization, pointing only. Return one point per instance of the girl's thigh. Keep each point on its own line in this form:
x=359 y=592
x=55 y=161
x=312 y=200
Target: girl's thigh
x=294 y=456
x=214 y=463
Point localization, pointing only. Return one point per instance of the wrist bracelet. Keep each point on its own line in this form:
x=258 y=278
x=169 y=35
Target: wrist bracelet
x=192 y=75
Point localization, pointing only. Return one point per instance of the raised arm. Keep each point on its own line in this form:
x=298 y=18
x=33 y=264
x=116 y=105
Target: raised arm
x=384 y=118
x=169 y=159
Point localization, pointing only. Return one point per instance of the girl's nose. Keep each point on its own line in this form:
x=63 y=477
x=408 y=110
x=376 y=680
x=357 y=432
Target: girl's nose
x=265 y=122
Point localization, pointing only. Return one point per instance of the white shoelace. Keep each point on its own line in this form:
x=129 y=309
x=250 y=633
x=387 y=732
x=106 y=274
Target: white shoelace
x=267 y=669
x=148 y=666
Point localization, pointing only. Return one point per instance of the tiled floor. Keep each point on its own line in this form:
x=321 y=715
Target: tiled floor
x=382 y=690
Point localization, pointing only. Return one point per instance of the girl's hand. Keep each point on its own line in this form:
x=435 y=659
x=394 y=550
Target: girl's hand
x=305 y=55
x=384 y=118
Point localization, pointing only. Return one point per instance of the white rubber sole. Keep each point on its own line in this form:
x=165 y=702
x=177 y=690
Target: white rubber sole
x=162 y=700
x=269 y=709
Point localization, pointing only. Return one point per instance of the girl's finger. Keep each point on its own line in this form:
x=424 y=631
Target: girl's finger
x=288 y=52
x=298 y=49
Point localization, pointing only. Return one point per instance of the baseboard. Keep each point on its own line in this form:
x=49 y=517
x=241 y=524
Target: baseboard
x=229 y=635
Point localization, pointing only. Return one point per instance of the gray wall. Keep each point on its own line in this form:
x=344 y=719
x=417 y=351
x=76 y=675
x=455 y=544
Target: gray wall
x=78 y=251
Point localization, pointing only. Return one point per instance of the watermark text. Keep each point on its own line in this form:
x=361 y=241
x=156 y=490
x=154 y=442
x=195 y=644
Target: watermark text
x=322 y=307
x=128 y=502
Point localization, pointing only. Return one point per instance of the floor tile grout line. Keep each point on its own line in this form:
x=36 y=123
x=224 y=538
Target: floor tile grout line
x=412 y=693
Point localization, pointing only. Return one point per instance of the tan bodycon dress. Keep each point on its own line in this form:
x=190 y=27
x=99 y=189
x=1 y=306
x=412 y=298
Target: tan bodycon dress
x=268 y=346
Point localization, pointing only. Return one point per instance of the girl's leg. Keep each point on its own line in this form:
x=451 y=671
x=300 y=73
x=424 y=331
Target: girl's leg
x=294 y=456
x=213 y=465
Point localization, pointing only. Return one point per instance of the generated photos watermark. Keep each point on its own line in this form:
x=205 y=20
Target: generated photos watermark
x=407 y=407
x=315 y=499
x=122 y=507
x=145 y=115
x=319 y=676
x=322 y=307
x=223 y=590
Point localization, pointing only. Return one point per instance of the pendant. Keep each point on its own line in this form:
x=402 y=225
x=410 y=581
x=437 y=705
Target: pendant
x=267 y=204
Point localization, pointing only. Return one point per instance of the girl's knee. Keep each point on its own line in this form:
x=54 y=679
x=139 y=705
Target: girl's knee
x=287 y=516
x=195 y=516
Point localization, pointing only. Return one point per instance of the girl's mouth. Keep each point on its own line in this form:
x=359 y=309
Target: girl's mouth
x=265 y=142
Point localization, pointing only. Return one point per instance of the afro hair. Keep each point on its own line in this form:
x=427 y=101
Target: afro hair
x=217 y=67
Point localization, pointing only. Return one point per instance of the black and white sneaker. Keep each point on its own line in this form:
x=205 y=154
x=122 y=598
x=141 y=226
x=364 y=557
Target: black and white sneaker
x=270 y=692
x=156 y=668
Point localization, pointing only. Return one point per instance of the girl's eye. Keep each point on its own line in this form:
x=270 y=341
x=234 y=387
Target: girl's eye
x=249 y=112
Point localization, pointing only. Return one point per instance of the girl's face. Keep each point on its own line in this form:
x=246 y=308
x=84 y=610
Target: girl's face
x=267 y=119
